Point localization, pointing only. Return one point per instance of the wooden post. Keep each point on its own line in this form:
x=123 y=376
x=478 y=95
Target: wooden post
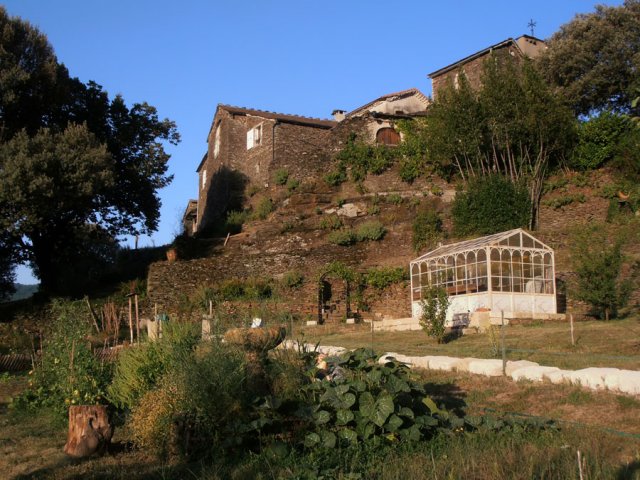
x=573 y=341
x=226 y=239
x=504 y=353
x=130 y=322
x=210 y=308
x=135 y=299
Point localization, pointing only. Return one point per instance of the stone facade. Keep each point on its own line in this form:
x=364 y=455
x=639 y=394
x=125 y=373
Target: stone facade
x=246 y=146
x=472 y=66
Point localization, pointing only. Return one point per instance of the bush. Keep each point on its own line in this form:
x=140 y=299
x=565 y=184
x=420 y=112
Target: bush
x=336 y=178
x=342 y=237
x=434 y=304
x=292 y=279
x=68 y=372
x=139 y=369
x=293 y=184
x=489 y=205
x=598 y=139
x=598 y=265
x=330 y=222
x=196 y=406
x=234 y=221
x=427 y=230
x=263 y=209
x=281 y=176
x=372 y=230
x=394 y=198
x=381 y=278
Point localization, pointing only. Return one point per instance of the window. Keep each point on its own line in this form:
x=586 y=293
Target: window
x=204 y=178
x=387 y=136
x=216 y=143
x=254 y=137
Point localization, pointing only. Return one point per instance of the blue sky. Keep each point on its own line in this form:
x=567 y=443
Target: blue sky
x=294 y=56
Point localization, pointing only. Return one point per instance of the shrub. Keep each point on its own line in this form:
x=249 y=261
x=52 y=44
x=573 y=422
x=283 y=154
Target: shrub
x=394 y=198
x=68 y=372
x=263 y=209
x=139 y=369
x=292 y=279
x=234 y=221
x=434 y=304
x=489 y=205
x=342 y=237
x=231 y=289
x=372 y=230
x=427 y=229
x=331 y=222
x=281 y=176
x=336 y=177
x=598 y=139
x=598 y=265
x=381 y=278
x=292 y=184
x=196 y=406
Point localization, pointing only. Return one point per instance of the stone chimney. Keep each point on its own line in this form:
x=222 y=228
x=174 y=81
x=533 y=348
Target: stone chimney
x=338 y=115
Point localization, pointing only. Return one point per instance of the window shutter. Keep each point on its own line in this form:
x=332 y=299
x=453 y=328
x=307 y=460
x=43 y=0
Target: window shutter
x=250 y=139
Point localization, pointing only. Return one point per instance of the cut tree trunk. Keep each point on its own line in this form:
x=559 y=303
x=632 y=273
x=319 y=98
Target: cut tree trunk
x=89 y=430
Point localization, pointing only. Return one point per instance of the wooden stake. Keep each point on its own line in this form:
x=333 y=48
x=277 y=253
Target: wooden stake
x=135 y=299
x=210 y=308
x=226 y=239
x=130 y=322
x=504 y=353
x=573 y=341
x=580 y=465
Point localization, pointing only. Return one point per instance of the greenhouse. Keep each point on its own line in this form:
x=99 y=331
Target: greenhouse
x=510 y=272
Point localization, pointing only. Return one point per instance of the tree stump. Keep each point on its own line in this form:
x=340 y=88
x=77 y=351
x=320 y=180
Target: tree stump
x=89 y=430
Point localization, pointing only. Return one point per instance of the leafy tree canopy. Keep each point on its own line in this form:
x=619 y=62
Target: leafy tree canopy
x=594 y=59
x=513 y=125
x=76 y=166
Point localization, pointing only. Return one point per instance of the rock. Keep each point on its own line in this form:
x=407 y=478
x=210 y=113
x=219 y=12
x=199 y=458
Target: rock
x=625 y=381
x=592 y=377
x=535 y=373
x=512 y=366
x=442 y=363
x=559 y=376
x=463 y=364
x=490 y=368
x=350 y=210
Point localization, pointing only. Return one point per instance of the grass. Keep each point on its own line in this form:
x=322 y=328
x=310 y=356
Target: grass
x=598 y=344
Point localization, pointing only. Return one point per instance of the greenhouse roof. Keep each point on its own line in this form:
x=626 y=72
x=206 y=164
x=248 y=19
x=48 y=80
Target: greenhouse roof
x=516 y=238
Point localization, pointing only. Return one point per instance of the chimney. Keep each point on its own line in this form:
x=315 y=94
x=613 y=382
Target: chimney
x=338 y=115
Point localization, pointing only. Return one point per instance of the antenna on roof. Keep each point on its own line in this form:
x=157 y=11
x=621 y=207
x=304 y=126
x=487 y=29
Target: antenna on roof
x=531 y=25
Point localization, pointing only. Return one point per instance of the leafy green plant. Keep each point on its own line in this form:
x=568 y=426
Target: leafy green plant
x=562 y=201
x=280 y=176
x=371 y=230
x=434 y=305
x=68 y=373
x=344 y=237
x=490 y=204
x=336 y=177
x=427 y=229
x=394 y=198
x=234 y=221
x=263 y=209
x=330 y=222
x=292 y=279
x=363 y=158
x=381 y=278
x=598 y=263
x=598 y=139
x=292 y=184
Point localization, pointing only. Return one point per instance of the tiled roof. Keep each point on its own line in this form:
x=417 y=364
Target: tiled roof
x=282 y=117
x=482 y=52
x=401 y=94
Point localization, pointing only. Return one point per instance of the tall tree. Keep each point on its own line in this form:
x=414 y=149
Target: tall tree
x=77 y=167
x=595 y=58
x=513 y=125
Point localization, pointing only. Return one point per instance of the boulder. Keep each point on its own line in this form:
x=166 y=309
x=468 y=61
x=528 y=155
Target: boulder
x=535 y=373
x=442 y=363
x=489 y=368
x=512 y=366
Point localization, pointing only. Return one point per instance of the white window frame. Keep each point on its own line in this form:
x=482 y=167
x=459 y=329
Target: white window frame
x=216 y=143
x=254 y=137
x=204 y=178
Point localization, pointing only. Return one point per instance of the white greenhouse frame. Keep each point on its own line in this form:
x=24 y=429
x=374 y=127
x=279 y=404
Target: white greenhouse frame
x=510 y=272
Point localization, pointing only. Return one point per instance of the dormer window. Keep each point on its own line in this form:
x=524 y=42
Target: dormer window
x=387 y=136
x=254 y=137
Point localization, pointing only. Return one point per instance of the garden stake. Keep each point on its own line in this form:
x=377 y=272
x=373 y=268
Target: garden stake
x=135 y=299
x=573 y=342
x=504 y=354
x=130 y=322
x=580 y=465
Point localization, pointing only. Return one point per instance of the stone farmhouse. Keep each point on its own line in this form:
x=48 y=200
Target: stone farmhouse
x=518 y=48
x=246 y=146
